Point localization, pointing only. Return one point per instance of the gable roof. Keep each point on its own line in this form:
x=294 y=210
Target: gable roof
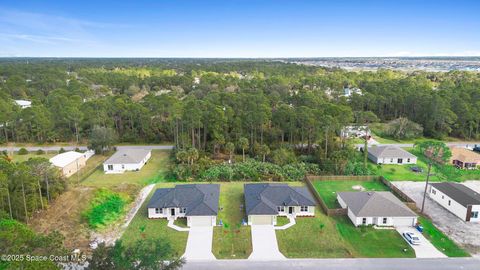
x=375 y=204
x=389 y=151
x=263 y=199
x=459 y=193
x=198 y=199
x=464 y=155
x=127 y=156
x=63 y=159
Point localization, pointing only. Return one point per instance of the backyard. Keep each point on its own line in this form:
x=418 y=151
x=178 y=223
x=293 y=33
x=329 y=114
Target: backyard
x=372 y=243
x=152 y=172
x=142 y=227
x=232 y=240
x=328 y=189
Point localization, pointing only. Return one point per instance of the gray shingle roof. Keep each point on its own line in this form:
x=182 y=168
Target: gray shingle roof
x=263 y=199
x=127 y=156
x=389 y=151
x=375 y=204
x=198 y=199
x=458 y=192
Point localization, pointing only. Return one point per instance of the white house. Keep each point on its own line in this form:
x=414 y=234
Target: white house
x=348 y=92
x=264 y=202
x=458 y=199
x=355 y=131
x=127 y=160
x=198 y=203
x=380 y=208
x=71 y=162
x=389 y=154
x=23 y=103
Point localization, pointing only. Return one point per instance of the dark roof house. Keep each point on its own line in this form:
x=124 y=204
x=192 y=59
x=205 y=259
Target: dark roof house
x=263 y=199
x=375 y=204
x=458 y=192
x=198 y=199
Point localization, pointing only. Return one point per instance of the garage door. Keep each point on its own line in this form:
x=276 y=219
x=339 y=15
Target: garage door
x=261 y=220
x=402 y=222
x=200 y=221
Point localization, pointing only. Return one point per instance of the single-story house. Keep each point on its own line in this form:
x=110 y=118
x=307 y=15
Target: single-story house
x=198 y=203
x=388 y=154
x=23 y=103
x=70 y=162
x=264 y=202
x=464 y=158
x=127 y=160
x=355 y=131
x=459 y=199
x=379 y=208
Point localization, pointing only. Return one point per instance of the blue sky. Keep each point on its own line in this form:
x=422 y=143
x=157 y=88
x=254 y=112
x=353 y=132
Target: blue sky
x=239 y=28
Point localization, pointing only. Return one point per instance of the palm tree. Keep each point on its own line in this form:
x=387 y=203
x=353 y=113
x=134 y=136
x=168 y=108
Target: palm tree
x=230 y=147
x=243 y=143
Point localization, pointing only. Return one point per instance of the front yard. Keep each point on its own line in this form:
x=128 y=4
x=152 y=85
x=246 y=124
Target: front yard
x=372 y=243
x=232 y=240
x=440 y=240
x=328 y=189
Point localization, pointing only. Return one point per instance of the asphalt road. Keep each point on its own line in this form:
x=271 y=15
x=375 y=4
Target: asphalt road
x=340 y=264
x=403 y=145
x=84 y=147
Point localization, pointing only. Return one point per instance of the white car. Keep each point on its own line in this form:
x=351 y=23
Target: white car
x=412 y=238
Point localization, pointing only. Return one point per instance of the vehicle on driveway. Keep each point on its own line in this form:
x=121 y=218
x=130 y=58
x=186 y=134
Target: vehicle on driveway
x=412 y=238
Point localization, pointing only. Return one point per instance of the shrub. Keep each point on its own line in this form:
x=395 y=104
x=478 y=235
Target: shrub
x=105 y=208
x=61 y=150
x=283 y=156
x=23 y=151
x=40 y=152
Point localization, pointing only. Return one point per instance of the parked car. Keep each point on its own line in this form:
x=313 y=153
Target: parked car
x=412 y=238
x=416 y=169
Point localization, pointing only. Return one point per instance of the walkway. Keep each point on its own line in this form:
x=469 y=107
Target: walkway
x=288 y=225
x=175 y=227
x=264 y=242
x=199 y=244
x=425 y=249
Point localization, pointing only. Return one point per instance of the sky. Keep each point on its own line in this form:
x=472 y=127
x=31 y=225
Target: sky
x=239 y=28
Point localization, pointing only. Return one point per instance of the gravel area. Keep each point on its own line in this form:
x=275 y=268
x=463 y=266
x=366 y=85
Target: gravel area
x=463 y=233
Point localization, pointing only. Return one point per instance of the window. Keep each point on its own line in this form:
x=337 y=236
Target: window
x=123 y=166
x=443 y=197
x=391 y=160
x=183 y=210
x=281 y=209
x=364 y=221
x=384 y=220
x=434 y=191
x=449 y=202
x=303 y=208
x=158 y=210
x=408 y=160
x=110 y=167
x=474 y=214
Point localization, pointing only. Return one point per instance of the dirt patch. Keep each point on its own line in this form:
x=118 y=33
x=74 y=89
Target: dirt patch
x=64 y=215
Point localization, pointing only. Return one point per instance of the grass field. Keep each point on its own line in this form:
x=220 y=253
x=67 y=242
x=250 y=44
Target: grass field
x=143 y=228
x=372 y=243
x=152 y=172
x=21 y=158
x=92 y=164
x=328 y=189
x=312 y=237
x=232 y=241
x=440 y=240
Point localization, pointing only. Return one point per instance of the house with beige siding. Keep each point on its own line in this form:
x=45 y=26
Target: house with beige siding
x=70 y=162
x=265 y=201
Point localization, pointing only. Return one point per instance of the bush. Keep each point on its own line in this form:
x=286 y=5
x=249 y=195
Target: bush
x=105 y=208
x=283 y=156
x=23 y=151
x=40 y=152
x=61 y=150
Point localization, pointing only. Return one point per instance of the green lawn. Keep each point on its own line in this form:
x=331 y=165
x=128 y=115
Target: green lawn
x=312 y=237
x=232 y=241
x=440 y=240
x=328 y=189
x=92 y=164
x=143 y=228
x=372 y=243
x=152 y=172
x=282 y=221
x=21 y=158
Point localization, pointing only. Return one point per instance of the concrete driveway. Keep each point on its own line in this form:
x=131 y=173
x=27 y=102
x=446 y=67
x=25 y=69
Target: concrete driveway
x=199 y=244
x=264 y=241
x=425 y=249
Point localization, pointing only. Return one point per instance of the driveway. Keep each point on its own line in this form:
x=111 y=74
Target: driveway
x=425 y=249
x=264 y=241
x=463 y=233
x=199 y=244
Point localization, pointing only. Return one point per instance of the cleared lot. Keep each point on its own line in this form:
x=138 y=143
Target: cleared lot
x=463 y=233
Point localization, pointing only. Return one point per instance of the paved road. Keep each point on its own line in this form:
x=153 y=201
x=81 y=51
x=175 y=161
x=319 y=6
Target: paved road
x=84 y=147
x=199 y=244
x=340 y=264
x=403 y=145
x=264 y=242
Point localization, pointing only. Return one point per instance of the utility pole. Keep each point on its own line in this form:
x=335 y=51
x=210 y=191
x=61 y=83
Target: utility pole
x=426 y=185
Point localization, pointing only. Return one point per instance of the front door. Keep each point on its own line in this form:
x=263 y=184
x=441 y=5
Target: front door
x=290 y=210
x=172 y=211
x=400 y=161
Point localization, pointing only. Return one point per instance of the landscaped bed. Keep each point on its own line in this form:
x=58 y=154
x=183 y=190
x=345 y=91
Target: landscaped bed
x=232 y=240
x=328 y=189
x=373 y=243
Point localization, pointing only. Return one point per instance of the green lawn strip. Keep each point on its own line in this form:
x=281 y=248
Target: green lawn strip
x=152 y=172
x=312 y=237
x=232 y=240
x=440 y=240
x=372 y=243
x=328 y=189
x=181 y=222
x=142 y=228
x=21 y=158
x=282 y=221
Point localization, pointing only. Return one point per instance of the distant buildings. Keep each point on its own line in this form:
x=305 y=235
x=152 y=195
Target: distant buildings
x=348 y=92
x=388 y=154
x=127 y=160
x=464 y=158
x=354 y=131
x=23 y=103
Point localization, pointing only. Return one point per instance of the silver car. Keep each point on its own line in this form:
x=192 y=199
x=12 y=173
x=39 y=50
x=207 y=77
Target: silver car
x=412 y=238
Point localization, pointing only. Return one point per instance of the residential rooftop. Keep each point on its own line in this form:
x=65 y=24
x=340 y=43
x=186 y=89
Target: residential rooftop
x=375 y=204
x=458 y=192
